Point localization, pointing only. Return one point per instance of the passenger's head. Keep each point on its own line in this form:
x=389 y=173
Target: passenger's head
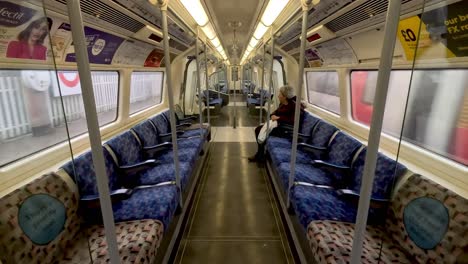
x=286 y=93
x=36 y=31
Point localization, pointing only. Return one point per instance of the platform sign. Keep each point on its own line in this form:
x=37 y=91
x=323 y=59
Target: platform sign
x=68 y=83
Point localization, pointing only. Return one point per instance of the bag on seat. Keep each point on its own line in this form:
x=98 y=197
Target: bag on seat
x=264 y=133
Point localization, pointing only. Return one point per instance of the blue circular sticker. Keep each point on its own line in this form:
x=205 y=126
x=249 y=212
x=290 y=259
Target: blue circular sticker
x=42 y=218
x=426 y=221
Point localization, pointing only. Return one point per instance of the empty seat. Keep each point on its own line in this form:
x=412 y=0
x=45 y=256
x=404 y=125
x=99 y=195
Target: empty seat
x=189 y=129
x=426 y=223
x=137 y=170
x=152 y=202
x=40 y=223
x=329 y=171
x=313 y=203
x=155 y=148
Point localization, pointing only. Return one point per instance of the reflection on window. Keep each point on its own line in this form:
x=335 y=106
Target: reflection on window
x=145 y=90
x=31 y=112
x=322 y=89
x=437 y=114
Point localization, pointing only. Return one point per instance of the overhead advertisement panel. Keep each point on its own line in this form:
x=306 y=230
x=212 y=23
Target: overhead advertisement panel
x=24 y=33
x=443 y=33
x=336 y=52
x=101 y=46
x=132 y=52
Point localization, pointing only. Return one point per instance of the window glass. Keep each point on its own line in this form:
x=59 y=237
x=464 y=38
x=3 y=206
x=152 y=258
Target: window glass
x=145 y=90
x=437 y=111
x=322 y=90
x=31 y=112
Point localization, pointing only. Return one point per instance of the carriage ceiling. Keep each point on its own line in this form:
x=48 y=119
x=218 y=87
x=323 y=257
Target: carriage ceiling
x=245 y=11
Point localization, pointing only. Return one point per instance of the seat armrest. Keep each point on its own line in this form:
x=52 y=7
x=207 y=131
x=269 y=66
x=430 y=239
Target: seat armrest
x=167 y=137
x=93 y=201
x=331 y=167
x=150 y=151
x=354 y=196
x=316 y=151
x=182 y=125
x=187 y=119
x=135 y=168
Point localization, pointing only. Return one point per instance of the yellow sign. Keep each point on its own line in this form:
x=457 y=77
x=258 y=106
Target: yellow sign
x=411 y=30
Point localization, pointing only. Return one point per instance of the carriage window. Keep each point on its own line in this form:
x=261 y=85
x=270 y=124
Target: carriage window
x=436 y=118
x=31 y=112
x=145 y=90
x=322 y=90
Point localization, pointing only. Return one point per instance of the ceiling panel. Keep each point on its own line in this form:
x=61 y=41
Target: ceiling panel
x=244 y=11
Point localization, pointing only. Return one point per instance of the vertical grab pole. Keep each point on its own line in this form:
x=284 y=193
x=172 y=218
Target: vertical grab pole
x=167 y=60
x=200 y=111
x=206 y=81
x=393 y=18
x=76 y=22
x=234 y=79
x=262 y=87
x=305 y=8
x=270 y=85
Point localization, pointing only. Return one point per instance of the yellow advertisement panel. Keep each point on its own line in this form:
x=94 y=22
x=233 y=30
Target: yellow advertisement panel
x=439 y=33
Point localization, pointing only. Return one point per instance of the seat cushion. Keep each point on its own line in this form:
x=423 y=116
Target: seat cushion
x=137 y=242
x=279 y=155
x=332 y=242
x=188 y=155
x=166 y=173
x=314 y=203
x=278 y=142
x=157 y=203
x=305 y=173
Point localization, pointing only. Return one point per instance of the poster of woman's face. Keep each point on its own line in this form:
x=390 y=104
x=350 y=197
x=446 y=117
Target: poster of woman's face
x=24 y=33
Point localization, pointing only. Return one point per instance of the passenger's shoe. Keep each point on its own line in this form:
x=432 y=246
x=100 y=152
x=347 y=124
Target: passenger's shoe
x=253 y=158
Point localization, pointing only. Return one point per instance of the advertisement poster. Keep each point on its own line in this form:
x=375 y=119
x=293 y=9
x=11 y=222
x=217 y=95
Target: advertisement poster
x=443 y=33
x=132 y=52
x=313 y=58
x=336 y=52
x=23 y=31
x=155 y=58
x=101 y=46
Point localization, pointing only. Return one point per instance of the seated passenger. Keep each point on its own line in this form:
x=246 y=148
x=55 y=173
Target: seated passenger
x=284 y=115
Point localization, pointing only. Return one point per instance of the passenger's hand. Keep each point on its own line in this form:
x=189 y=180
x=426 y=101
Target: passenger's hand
x=274 y=117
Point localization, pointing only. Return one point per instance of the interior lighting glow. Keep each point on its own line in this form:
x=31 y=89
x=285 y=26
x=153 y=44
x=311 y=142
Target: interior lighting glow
x=272 y=11
x=195 y=8
x=253 y=42
x=209 y=31
x=260 y=30
x=216 y=43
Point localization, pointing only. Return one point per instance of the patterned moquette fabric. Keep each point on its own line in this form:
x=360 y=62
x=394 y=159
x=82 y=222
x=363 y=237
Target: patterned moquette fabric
x=72 y=243
x=455 y=240
x=137 y=242
x=15 y=245
x=331 y=242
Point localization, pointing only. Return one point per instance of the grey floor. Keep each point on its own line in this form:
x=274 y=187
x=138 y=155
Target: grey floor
x=234 y=217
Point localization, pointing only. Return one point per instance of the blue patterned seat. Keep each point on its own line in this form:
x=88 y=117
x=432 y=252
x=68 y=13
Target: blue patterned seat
x=190 y=131
x=340 y=153
x=128 y=153
x=313 y=203
x=157 y=202
x=320 y=133
x=163 y=127
x=148 y=137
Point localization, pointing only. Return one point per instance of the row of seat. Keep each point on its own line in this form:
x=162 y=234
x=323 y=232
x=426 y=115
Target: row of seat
x=325 y=194
x=140 y=170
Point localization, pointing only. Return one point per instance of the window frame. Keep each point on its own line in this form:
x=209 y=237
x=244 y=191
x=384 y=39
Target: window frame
x=411 y=143
x=161 y=101
x=338 y=89
x=68 y=137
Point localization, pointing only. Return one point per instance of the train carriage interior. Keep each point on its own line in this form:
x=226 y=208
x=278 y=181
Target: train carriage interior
x=249 y=131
